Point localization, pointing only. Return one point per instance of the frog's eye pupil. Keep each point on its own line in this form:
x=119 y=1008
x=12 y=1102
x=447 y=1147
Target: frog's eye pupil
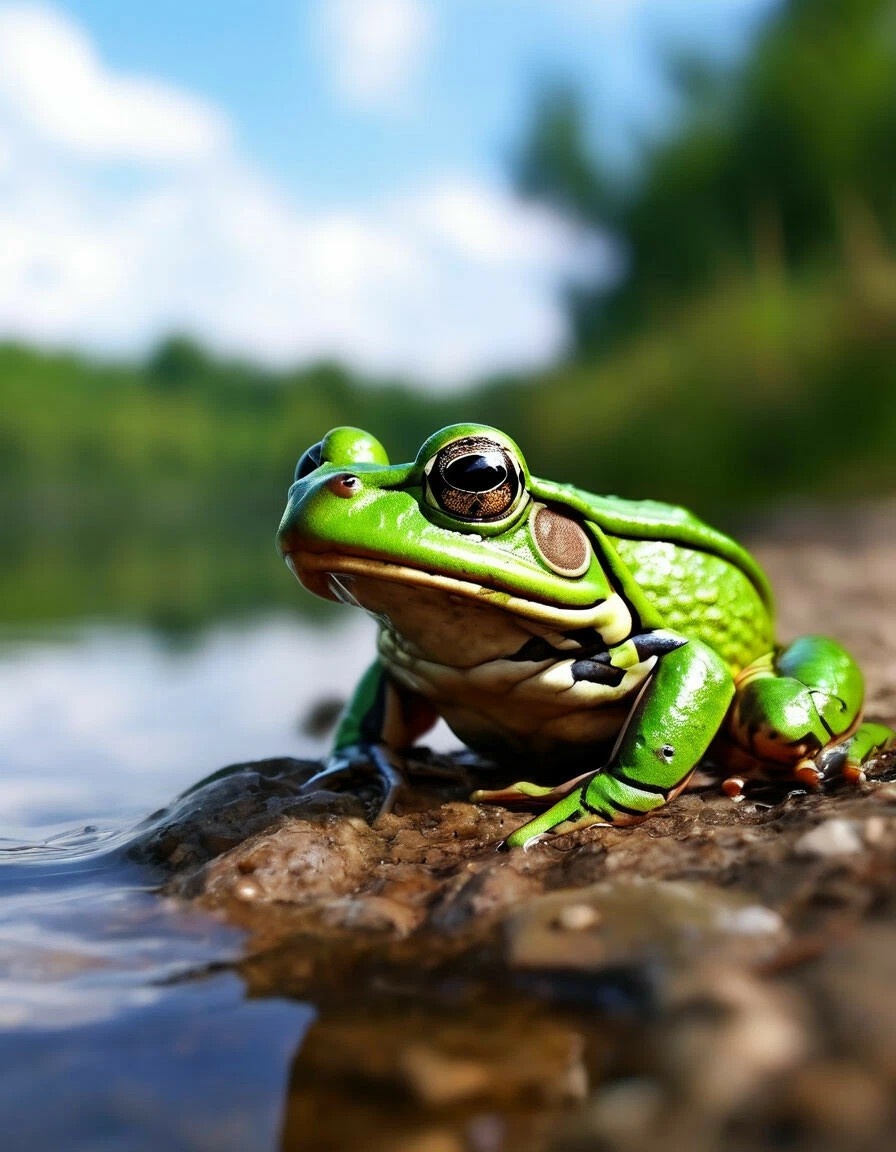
x=479 y=473
x=475 y=479
x=309 y=461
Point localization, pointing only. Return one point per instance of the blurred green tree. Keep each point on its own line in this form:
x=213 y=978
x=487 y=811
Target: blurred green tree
x=783 y=163
x=178 y=362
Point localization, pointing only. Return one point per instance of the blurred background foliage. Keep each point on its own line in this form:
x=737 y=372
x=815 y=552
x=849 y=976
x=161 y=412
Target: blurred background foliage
x=744 y=354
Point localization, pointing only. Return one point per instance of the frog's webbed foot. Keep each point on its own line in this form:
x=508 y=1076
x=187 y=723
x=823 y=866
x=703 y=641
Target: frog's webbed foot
x=583 y=802
x=797 y=715
x=844 y=760
x=568 y=809
x=374 y=760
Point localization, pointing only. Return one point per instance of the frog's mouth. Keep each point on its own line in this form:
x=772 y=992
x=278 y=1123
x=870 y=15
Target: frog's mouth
x=319 y=572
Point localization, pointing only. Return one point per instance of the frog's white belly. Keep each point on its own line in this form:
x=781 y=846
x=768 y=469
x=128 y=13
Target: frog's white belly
x=464 y=656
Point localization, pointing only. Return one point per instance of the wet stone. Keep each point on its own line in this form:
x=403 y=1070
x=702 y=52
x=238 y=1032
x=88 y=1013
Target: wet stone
x=833 y=838
x=670 y=922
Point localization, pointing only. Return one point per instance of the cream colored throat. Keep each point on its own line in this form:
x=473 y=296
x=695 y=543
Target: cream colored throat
x=610 y=617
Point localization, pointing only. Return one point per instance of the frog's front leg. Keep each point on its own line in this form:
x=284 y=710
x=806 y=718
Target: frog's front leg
x=668 y=730
x=800 y=709
x=381 y=720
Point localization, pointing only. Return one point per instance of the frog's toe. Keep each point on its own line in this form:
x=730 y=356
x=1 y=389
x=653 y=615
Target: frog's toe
x=519 y=795
x=569 y=815
x=526 y=795
x=846 y=759
x=811 y=773
x=734 y=786
x=371 y=760
x=869 y=741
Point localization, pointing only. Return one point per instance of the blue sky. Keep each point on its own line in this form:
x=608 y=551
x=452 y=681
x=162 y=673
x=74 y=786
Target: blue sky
x=296 y=178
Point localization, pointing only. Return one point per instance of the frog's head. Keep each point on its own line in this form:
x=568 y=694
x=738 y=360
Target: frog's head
x=465 y=517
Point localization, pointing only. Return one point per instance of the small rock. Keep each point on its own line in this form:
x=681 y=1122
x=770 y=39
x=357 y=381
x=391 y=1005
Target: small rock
x=438 y=1079
x=884 y=794
x=624 y=922
x=577 y=917
x=246 y=890
x=835 y=837
x=876 y=829
x=371 y=914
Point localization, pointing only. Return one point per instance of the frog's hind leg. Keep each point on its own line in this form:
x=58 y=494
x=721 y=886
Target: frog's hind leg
x=798 y=712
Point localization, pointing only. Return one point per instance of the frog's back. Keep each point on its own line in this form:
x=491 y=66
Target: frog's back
x=701 y=595
x=698 y=581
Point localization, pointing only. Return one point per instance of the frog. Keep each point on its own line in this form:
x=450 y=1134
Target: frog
x=624 y=643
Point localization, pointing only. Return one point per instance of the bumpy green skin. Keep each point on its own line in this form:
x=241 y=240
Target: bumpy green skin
x=635 y=608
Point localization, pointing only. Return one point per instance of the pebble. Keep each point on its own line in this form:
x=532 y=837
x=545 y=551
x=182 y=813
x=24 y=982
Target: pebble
x=876 y=829
x=439 y=1080
x=246 y=890
x=577 y=917
x=631 y=922
x=835 y=837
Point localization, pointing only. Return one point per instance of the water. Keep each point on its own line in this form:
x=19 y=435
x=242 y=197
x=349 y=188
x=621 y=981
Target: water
x=121 y=1023
x=109 y=723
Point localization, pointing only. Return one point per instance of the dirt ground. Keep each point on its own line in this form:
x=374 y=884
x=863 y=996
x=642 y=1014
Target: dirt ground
x=720 y=976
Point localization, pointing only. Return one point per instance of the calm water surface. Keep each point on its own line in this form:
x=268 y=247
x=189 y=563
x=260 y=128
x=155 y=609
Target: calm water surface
x=119 y=1024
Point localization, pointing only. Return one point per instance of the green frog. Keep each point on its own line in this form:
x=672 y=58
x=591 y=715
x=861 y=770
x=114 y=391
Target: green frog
x=621 y=641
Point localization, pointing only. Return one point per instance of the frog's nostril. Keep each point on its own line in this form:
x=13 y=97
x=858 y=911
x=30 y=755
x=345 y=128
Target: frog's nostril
x=344 y=486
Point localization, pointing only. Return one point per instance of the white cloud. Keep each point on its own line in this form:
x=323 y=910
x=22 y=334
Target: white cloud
x=443 y=282
x=54 y=84
x=415 y=285
x=375 y=48
x=487 y=225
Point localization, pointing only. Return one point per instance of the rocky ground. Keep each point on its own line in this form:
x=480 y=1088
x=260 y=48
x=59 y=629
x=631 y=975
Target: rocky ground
x=721 y=976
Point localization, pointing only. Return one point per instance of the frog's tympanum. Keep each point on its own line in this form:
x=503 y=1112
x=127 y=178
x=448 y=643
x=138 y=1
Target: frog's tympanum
x=556 y=631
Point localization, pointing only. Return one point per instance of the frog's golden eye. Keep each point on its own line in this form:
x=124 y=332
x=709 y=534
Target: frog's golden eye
x=308 y=461
x=475 y=479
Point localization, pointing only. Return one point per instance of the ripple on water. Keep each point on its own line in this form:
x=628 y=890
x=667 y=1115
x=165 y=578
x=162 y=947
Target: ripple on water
x=118 y=1026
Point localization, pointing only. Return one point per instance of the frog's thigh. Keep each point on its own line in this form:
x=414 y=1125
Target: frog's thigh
x=792 y=706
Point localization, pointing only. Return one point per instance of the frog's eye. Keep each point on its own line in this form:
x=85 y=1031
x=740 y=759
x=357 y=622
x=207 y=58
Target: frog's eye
x=308 y=461
x=474 y=478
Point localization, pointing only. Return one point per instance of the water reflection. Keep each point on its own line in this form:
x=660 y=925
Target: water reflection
x=107 y=1039
x=101 y=1042
x=122 y=1021
x=195 y=1067
x=103 y=724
